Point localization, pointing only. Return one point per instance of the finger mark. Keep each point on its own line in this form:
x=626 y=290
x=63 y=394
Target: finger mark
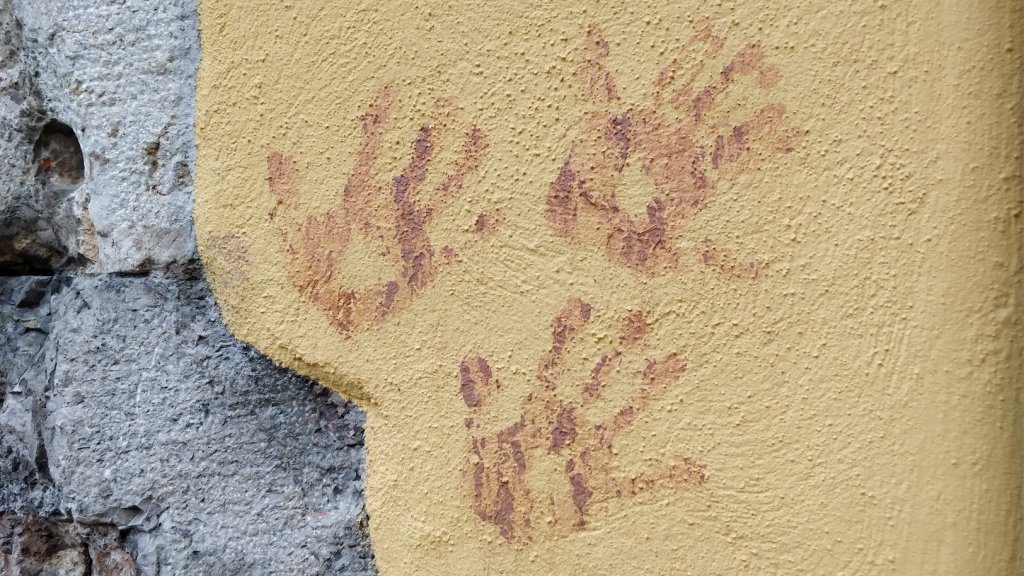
x=564 y=430
x=475 y=381
x=488 y=222
x=361 y=198
x=659 y=374
x=581 y=493
x=474 y=146
x=567 y=324
x=390 y=291
x=656 y=377
x=561 y=200
x=723 y=261
x=284 y=180
x=607 y=364
x=595 y=80
x=415 y=172
x=414 y=243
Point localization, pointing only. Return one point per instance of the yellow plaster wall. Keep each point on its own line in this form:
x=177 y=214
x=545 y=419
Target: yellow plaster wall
x=808 y=365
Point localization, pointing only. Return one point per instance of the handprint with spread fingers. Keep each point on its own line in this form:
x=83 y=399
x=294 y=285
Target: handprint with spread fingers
x=686 y=143
x=394 y=216
x=552 y=431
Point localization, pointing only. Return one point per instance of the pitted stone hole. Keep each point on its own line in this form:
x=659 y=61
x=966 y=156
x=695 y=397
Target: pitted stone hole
x=39 y=225
x=58 y=156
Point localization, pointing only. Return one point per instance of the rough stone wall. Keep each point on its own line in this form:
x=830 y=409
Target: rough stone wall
x=130 y=419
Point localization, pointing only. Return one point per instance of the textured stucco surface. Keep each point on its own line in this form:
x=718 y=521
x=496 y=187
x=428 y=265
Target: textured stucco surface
x=385 y=202
x=130 y=420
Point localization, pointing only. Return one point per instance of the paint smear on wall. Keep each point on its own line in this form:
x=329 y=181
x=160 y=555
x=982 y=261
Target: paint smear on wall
x=393 y=216
x=551 y=428
x=637 y=288
x=689 y=139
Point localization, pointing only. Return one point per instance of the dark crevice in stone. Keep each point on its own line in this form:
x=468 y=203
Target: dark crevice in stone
x=42 y=462
x=139 y=273
x=26 y=265
x=87 y=557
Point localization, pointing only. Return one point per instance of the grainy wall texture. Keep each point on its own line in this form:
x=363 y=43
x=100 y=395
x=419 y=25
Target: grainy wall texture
x=137 y=437
x=638 y=287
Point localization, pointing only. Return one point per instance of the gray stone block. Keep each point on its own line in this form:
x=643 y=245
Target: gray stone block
x=25 y=483
x=120 y=76
x=125 y=405
x=157 y=421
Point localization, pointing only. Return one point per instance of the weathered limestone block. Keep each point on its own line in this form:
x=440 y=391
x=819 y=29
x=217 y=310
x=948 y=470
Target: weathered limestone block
x=115 y=79
x=30 y=216
x=126 y=402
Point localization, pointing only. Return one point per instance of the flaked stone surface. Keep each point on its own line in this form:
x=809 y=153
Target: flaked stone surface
x=25 y=483
x=155 y=420
x=35 y=546
x=120 y=75
x=30 y=219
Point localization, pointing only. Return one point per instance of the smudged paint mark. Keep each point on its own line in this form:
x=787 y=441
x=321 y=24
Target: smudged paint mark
x=476 y=383
x=722 y=260
x=283 y=179
x=397 y=215
x=488 y=223
x=686 y=144
x=551 y=428
x=591 y=73
x=229 y=257
x=634 y=329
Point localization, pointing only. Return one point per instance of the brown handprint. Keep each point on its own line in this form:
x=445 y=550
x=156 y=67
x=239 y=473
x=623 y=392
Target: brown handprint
x=395 y=217
x=551 y=430
x=686 y=143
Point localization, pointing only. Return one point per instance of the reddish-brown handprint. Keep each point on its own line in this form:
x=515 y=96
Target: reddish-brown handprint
x=690 y=140
x=395 y=215
x=555 y=431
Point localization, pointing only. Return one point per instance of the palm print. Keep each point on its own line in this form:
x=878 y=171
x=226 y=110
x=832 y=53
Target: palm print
x=553 y=430
x=395 y=215
x=685 y=144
